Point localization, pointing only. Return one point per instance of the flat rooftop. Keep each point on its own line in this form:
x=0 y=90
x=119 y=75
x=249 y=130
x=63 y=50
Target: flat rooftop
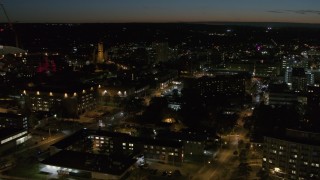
x=64 y=143
x=115 y=165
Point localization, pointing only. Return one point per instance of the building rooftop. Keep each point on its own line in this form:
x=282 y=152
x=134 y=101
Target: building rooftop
x=61 y=88
x=10 y=50
x=64 y=143
x=10 y=115
x=298 y=136
x=113 y=164
x=7 y=132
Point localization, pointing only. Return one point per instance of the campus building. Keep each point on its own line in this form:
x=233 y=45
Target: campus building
x=108 y=147
x=72 y=100
x=293 y=155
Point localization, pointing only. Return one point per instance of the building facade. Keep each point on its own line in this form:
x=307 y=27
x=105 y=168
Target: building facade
x=72 y=101
x=293 y=156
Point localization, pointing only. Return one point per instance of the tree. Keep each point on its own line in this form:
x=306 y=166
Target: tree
x=87 y=145
x=241 y=144
x=243 y=156
x=138 y=174
x=244 y=169
x=103 y=149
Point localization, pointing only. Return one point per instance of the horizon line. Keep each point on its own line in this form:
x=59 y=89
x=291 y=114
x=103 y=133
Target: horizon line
x=165 y=22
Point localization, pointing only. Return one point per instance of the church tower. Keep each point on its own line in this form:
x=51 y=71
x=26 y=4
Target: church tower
x=100 y=55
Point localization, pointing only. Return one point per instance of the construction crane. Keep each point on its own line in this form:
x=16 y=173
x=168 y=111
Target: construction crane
x=10 y=24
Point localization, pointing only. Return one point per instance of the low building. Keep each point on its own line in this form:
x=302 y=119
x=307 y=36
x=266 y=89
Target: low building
x=10 y=138
x=88 y=165
x=11 y=120
x=166 y=151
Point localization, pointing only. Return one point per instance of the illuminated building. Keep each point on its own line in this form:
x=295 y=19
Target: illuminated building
x=10 y=120
x=72 y=101
x=167 y=151
x=10 y=138
x=100 y=53
x=227 y=85
x=13 y=130
x=299 y=80
x=266 y=69
x=293 y=155
x=280 y=94
x=107 y=155
x=88 y=165
x=194 y=142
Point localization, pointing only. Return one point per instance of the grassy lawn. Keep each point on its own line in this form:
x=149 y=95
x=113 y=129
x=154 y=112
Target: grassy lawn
x=27 y=168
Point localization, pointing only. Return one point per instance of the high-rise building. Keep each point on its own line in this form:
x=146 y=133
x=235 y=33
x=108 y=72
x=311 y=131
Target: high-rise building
x=161 y=51
x=100 y=53
x=299 y=79
x=280 y=94
x=226 y=85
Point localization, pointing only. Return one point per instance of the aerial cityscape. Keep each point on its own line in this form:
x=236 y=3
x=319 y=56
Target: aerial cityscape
x=201 y=90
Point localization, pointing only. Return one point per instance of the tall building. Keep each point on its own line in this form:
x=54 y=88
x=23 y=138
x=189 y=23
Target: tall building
x=299 y=80
x=100 y=53
x=161 y=51
x=292 y=155
x=280 y=94
x=226 y=85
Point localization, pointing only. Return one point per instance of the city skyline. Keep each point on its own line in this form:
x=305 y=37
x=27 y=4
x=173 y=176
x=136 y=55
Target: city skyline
x=125 y=11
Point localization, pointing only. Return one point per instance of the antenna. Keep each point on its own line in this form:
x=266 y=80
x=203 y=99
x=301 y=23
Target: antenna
x=10 y=24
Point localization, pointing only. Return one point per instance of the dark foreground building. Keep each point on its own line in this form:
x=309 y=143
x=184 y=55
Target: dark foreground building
x=293 y=155
x=89 y=152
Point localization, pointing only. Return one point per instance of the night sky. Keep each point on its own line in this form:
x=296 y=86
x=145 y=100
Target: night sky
x=303 y=11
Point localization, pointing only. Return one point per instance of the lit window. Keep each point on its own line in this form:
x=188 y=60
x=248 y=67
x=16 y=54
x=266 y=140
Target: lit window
x=123 y=144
